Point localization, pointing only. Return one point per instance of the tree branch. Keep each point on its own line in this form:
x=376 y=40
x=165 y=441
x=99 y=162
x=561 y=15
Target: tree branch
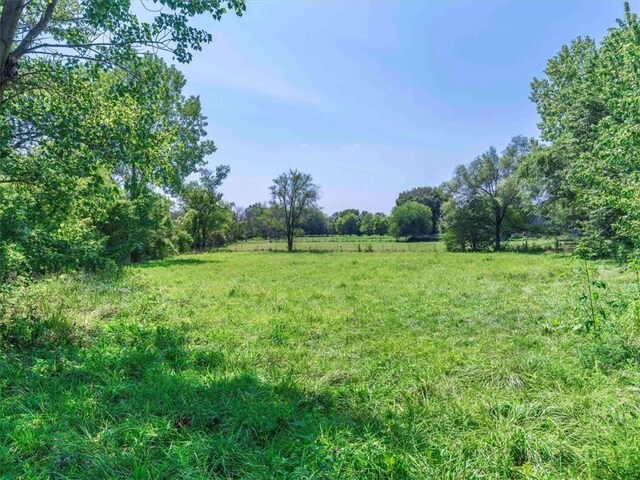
x=37 y=29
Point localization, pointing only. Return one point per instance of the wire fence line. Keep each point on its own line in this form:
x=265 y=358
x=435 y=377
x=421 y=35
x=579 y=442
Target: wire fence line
x=368 y=244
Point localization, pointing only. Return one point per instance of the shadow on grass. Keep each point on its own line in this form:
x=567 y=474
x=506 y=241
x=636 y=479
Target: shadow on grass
x=171 y=262
x=139 y=402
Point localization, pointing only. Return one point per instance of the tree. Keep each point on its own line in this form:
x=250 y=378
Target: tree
x=465 y=224
x=348 y=223
x=76 y=209
x=260 y=222
x=203 y=204
x=292 y=195
x=432 y=197
x=315 y=222
x=374 y=224
x=94 y=129
x=570 y=108
x=586 y=175
x=138 y=229
x=491 y=180
x=411 y=219
x=165 y=130
x=87 y=184
x=98 y=31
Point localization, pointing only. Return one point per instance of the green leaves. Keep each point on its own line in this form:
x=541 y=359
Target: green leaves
x=83 y=157
x=293 y=194
x=411 y=219
x=589 y=105
x=486 y=196
x=206 y=215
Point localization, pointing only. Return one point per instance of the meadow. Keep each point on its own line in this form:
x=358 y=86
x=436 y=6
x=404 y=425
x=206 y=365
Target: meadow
x=375 y=243
x=342 y=365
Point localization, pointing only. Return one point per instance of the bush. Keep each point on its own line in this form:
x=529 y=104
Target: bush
x=182 y=241
x=12 y=262
x=411 y=219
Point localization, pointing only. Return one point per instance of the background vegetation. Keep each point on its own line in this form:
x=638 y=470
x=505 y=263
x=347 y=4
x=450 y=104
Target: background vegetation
x=99 y=150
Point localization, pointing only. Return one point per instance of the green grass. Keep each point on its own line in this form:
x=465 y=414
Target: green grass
x=336 y=243
x=380 y=244
x=424 y=365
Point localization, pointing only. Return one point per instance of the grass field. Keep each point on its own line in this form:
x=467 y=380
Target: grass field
x=337 y=244
x=369 y=244
x=259 y=365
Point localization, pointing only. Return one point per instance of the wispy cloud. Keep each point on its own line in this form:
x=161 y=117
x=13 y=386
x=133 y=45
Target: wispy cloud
x=222 y=64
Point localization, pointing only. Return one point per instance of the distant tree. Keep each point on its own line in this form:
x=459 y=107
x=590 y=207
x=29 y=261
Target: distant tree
x=374 y=224
x=204 y=206
x=380 y=224
x=315 y=222
x=238 y=226
x=432 y=197
x=340 y=213
x=465 y=224
x=260 y=221
x=366 y=223
x=331 y=225
x=411 y=219
x=491 y=181
x=348 y=223
x=292 y=195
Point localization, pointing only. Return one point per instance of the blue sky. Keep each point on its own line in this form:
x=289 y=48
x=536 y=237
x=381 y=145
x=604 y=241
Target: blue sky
x=373 y=98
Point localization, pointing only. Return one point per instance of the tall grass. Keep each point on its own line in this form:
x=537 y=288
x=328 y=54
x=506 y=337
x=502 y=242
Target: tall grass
x=384 y=365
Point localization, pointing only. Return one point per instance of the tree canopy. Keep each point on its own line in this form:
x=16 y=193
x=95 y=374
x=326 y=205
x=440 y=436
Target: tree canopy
x=587 y=171
x=99 y=31
x=432 y=197
x=489 y=186
x=93 y=135
x=411 y=219
x=293 y=194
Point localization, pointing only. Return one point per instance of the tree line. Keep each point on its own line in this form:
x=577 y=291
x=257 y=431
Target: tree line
x=98 y=144
x=581 y=178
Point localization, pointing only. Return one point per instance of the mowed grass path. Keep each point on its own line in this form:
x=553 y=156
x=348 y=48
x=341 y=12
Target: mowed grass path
x=311 y=366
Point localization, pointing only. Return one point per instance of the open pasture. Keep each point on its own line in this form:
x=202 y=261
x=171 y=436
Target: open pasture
x=422 y=365
x=373 y=243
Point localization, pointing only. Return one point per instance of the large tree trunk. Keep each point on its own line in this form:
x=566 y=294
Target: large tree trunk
x=11 y=11
x=9 y=21
x=290 y=242
x=497 y=241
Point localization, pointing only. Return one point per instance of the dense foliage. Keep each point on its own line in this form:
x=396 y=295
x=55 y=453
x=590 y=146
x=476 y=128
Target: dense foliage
x=103 y=33
x=411 y=219
x=432 y=197
x=588 y=170
x=89 y=154
x=486 y=197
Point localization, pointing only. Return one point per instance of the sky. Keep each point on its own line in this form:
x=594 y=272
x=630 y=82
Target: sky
x=375 y=97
